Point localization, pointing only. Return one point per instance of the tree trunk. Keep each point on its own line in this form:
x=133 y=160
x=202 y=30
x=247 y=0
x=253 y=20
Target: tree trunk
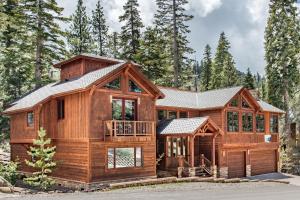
x=39 y=45
x=287 y=123
x=175 y=47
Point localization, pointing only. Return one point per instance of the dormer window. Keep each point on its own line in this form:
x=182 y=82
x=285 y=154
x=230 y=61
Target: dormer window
x=245 y=104
x=114 y=85
x=133 y=87
x=234 y=103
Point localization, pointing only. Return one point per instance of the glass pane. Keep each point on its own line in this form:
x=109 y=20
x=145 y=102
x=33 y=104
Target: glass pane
x=110 y=158
x=184 y=149
x=115 y=84
x=124 y=157
x=274 y=124
x=247 y=122
x=117 y=109
x=234 y=103
x=138 y=156
x=162 y=114
x=232 y=122
x=174 y=153
x=245 y=104
x=172 y=114
x=30 y=119
x=183 y=115
x=130 y=110
x=260 y=123
x=169 y=147
x=179 y=149
x=133 y=87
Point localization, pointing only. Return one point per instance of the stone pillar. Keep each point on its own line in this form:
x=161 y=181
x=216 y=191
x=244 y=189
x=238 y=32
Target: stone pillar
x=192 y=171
x=248 y=170
x=223 y=172
x=214 y=171
x=180 y=171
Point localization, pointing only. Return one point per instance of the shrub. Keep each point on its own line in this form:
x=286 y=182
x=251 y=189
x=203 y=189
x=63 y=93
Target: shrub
x=42 y=161
x=9 y=172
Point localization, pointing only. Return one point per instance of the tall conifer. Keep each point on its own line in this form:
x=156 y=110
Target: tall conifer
x=229 y=74
x=248 y=81
x=205 y=80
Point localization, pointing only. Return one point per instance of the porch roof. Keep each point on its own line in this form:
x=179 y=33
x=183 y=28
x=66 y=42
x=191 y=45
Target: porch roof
x=182 y=125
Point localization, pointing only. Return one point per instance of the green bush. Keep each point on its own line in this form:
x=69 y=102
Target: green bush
x=9 y=172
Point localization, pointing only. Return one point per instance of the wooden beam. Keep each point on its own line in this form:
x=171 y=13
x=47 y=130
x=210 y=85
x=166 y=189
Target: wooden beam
x=192 y=152
x=213 y=152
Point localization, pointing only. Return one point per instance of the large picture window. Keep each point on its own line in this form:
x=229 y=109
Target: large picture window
x=30 y=119
x=274 y=124
x=260 y=123
x=124 y=109
x=232 y=121
x=124 y=157
x=247 y=122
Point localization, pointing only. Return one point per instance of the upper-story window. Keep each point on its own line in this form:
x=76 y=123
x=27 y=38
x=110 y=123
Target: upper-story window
x=114 y=85
x=124 y=109
x=232 y=121
x=172 y=115
x=60 y=109
x=161 y=114
x=234 y=103
x=245 y=104
x=183 y=114
x=133 y=87
x=247 y=119
x=274 y=124
x=30 y=119
x=260 y=123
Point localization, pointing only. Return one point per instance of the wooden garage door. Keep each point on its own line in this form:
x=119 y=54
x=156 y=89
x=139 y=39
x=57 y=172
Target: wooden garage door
x=236 y=164
x=263 y=162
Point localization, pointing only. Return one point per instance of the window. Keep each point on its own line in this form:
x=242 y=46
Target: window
x=182 y=114
x=260 y=123
x=245 y=104
x=274 y=124
x=124 y=157
x=232 y=121
x=177 y=147
x=247 y=122
x=60 y=109
x=234 y=103
x=161 y=114
x=124 y=109
x=114 y=85
x=30 y=119
x=172 y=115
x=133 y=87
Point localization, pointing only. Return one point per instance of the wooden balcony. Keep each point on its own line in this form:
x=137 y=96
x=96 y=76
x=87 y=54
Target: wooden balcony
x=121 y=130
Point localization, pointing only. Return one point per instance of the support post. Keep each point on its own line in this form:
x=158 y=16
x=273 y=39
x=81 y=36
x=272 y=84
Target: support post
x=213 y=152
x=191 y=147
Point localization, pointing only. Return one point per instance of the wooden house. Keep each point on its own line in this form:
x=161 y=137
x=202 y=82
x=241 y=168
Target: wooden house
x=108 y=121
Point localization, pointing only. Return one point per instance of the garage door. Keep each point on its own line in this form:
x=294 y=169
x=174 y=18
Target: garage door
x=236 y=164
x=263 y=162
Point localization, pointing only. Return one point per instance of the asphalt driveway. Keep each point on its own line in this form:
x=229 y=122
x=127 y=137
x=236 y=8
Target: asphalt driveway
x=185 y=191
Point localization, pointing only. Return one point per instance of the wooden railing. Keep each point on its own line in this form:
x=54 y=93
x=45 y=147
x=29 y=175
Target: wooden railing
x=205 y=164
x=119 y=128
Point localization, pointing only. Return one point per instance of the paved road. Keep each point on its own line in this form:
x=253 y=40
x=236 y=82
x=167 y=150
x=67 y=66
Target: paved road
x=185 y=191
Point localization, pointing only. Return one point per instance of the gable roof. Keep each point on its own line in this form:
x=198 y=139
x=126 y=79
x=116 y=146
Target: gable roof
x=268 y=107
x=180 y=126
x=201 y=100
x=56 y=88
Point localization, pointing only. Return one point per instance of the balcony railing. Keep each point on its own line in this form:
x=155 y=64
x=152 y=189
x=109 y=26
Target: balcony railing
x=119 y=128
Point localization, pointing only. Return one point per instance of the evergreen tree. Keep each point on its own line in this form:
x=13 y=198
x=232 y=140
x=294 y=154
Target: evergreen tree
x=79 y=36
x=248 y=81
x=206 y=69
x=114 y=45
x=171 y=19
x=229 y=74
x=131 y=31
x=151 y=56
x=42 y=154
x=100 y=30
x=42 y=18
x=282 y=50
x=197 y=75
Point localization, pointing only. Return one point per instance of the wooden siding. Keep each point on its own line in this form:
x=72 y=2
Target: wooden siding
x=71 y=70
x=215 y=115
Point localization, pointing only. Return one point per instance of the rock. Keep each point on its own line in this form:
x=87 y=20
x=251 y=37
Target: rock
x=5 y=190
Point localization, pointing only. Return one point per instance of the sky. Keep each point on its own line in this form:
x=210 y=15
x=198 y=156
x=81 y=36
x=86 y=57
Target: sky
x=243 y=22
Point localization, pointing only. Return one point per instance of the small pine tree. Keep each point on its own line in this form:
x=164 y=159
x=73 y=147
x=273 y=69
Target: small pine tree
x=249 y=80
x=42 y=154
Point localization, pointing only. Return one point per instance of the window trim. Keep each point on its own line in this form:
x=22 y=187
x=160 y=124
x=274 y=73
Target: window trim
x=123 y=99
x=114 y=159
x=177 y=140
x=256 y=124
x=247 y=114
x=33 y=119
x=238 y=118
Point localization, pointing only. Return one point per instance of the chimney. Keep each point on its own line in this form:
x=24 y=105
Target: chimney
x=255 y=93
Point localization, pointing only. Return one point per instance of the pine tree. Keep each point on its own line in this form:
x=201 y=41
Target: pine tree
x=206 y=69
x=197 y=75
x=100 y=30
x=131 y=31
x=43 y=17
x=114 y=45
x=282 y=49
x=171 y=19
x=42 y=154
x=79 y=36
x=151 y=56
x=229 y=74
x=248 y=81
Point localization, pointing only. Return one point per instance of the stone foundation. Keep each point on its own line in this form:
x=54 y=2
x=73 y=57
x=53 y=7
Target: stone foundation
x=223 y=171
x=248 y=170
x=214 y=170
x=186 y=172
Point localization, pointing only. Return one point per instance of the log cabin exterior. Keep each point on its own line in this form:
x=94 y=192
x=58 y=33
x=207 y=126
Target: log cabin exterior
x=108 y=121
